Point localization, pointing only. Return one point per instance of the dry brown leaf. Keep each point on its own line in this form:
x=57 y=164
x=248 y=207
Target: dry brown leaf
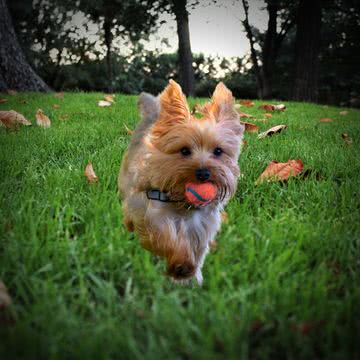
x=268 y=115
x=60 y=95
x=308 y=326
x=347 y=139
x=42 y=120
x=271 y=107
x=274 y=130
x=128 y=130
x=245 y=115
x=244 y=143
x=56 y=106
x=343 y=113
x=5 y=299
x=197 y=109
x=109 y=98
x=2 y=101
x=12 y=92
x=90 y=173
x=326 y=120
x=103 y=103
x=224 y=217
x=250 y=127
x=276 y=171
x=247 y=103
x=63 y=117
x=11 y=119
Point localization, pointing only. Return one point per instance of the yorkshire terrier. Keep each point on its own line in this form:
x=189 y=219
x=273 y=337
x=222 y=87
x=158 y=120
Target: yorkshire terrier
x=170 y=149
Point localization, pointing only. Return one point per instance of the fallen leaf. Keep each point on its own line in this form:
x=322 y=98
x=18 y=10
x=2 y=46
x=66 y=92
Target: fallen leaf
x=213 y=245
x=11 y=119
x=42 y=120
x=247 y=103
x=224 y=217
x=343 y=113
x=5 y=299
x=56 y=106
x=271 y=107
x=2 y=101
x=279 y=107
x=6 y=317
x=237 y=107
x=347 y=139
x=196 y=109
x=268 y=115
x=60 y=95
x=250 y=127
x=90 y=173
x=274 y=130
x=244 y=143
x=245 y=115
x=276 y=171
x=308 y=326
x=63 y=117
x=103 y=103
x=109 y=98
x=128 y=130
x=12 y=92
x=326 y=120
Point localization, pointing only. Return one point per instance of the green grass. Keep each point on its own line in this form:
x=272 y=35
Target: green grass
x=283 y=283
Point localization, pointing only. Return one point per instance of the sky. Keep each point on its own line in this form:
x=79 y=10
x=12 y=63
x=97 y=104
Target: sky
x=214 y=29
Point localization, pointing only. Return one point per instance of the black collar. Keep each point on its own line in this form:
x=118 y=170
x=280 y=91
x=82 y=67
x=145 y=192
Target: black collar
x=154 y=194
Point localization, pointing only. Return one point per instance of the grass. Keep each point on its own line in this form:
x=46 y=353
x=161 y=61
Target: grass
x=283 y=283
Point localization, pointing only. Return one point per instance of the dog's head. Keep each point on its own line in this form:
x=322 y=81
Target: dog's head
x=182 y=148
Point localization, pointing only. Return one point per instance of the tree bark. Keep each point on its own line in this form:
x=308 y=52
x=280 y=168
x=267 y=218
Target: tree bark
x=254 y=59
x=269 y=52
x=15 y=72
x=108 y=42
x=307 y=51
x=187 y=79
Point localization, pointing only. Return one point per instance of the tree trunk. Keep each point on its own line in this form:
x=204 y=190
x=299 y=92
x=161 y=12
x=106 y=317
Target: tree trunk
x=307 y=50
x=108 y=42
x=269 y=50
x=254 y=59
x=187 y=79
x=15 y=72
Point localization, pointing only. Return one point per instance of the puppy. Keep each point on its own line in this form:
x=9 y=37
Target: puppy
x=169 y=149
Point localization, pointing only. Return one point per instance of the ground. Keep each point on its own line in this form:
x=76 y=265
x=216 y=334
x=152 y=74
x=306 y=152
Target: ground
x=282 y=283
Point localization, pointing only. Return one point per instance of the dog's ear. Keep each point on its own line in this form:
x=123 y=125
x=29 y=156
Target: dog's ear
x=221 y=109
x=173 y=107
x=149 y=107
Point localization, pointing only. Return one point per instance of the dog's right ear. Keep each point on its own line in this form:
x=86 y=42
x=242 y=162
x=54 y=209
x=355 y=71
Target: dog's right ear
x=149 y=107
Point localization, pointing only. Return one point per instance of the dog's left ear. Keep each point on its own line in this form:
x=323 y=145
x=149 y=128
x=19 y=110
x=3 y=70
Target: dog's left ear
x=221 y=108
x=173 y=108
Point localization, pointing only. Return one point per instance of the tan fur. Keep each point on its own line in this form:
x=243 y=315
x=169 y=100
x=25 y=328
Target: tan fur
x=174 y=230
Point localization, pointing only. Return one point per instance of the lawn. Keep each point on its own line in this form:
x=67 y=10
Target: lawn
x=284 y=281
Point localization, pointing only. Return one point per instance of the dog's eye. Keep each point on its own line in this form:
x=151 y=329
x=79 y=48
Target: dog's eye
x=218 y=151
x=185 y=151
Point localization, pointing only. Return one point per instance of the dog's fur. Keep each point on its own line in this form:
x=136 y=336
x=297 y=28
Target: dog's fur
x=176 y=230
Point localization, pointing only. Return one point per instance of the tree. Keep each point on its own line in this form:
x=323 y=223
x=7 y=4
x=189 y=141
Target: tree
x=15 y=71
x=120 y=18
x=270 y=42
x=308 y=24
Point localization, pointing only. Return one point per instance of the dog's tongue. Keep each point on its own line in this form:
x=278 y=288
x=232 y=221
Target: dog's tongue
x=200 y=194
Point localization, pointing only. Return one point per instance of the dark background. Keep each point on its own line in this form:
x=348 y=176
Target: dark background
x=309 y=51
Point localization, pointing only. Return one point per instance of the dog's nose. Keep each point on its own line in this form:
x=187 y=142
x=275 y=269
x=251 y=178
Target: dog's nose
x=202 y=174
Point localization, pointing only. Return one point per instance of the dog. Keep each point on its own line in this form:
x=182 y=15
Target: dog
x=169 y=149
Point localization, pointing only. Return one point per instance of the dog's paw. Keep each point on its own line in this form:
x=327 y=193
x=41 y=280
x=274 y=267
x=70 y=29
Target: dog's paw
x=181 y=271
